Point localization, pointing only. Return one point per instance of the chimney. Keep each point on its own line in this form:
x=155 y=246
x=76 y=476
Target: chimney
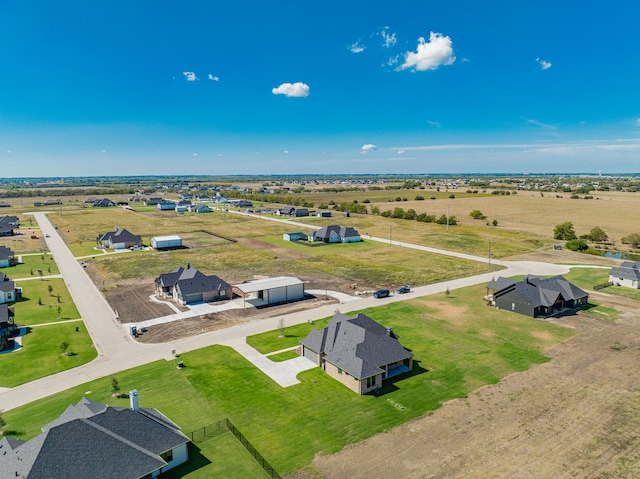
x=133 y=400
x=390 y=332
x=188 y=265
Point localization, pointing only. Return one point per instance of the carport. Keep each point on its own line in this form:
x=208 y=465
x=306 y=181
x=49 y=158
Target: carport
x=263 y=292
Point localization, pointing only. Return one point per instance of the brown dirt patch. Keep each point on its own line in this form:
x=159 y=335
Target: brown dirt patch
x=577 y=416
x=131 y=300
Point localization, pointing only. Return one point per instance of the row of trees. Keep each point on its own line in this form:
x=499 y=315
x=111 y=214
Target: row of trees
x=411 y=214
x=564 y=231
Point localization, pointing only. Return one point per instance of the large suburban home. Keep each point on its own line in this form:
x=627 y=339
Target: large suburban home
x=627 y=274
x=103 y=203
x=93 y=440
x=6 y=256
x=8 y=225
x=119 y=239
x=187 y=286
x=242 y=203
x=153 y=201
x=166 y=205
x=358 y=352
x=7 y=323
x=537 y=297
x=199 y=208
x=8 y=291
x=286 y=211
x=335 y=234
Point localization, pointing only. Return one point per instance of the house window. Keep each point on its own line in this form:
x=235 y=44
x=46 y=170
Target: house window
x=513 y=306
x=167 y=456
x=339 y=371
x=371 y=382
x=223 y=293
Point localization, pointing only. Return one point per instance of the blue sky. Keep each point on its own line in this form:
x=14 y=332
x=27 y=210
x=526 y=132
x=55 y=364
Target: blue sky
x=212 y=87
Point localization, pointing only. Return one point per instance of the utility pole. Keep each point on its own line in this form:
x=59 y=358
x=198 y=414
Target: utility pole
x=389 y=235
x=447 y=218
x=489 y=253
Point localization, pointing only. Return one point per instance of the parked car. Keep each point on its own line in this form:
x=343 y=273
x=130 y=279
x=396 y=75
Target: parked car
x=381 y=293
x=404 y=289
x=47 y=235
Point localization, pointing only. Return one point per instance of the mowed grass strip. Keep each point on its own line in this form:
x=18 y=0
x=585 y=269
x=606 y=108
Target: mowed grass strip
x=32 y=266
x=29 y=312
x=41 y=355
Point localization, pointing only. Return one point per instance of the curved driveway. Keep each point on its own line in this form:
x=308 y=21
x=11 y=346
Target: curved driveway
x=118 y=351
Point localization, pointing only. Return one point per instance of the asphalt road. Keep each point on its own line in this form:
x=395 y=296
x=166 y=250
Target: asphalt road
x=117 y=351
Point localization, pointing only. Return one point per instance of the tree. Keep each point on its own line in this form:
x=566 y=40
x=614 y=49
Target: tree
x=281 y=327
x=495 y=223
x=447 y=293
x=632 y=240
x=115 y=387
x=39 y=301
x=564 y=231
x=477 y=215
x=596 y=235
x=59 y=311
x=3 y=423
x=49 y=289
x=64 y=346
x=577 y=245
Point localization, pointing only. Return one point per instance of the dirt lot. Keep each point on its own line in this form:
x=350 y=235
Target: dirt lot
x=577 y=416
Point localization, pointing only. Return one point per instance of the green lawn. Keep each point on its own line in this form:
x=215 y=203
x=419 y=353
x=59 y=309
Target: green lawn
x=29 y=312
x=459 y=345
x=31 y=265
x=41 y=356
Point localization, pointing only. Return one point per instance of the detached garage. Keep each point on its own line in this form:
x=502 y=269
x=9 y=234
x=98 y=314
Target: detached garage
x=166 y=242
x=271 y=290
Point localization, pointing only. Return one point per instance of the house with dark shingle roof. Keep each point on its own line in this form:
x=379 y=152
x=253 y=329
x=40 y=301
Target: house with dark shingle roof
x=358 y=352
x=536 y=296
x=335 y=234
x=119 y=239
x=93 y=440
x=6 y=256
x=103 y=203
x=8 y=291
x=8 y=225
x=187 y=286
x=627 y=274
x=7 y=322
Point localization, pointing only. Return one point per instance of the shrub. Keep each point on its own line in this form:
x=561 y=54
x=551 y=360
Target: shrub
x=577 y=245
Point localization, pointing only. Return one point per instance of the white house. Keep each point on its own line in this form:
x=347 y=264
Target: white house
x=627 y=274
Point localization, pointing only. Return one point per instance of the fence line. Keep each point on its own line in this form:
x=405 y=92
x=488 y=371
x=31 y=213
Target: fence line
x=602 y=286
x=219 y=427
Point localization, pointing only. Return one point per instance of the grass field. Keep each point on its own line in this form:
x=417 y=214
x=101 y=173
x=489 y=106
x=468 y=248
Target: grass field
x=459 y=345
x=31 y=266
x=41 y=355
x=29 y=312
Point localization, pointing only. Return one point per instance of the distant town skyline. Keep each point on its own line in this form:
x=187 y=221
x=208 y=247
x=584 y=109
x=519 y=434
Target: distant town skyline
x=212 y=88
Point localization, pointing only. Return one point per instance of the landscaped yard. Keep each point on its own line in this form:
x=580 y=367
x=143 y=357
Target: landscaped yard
x=41 y=355
x=29 y=312
x=459 y=345
x=32 y=265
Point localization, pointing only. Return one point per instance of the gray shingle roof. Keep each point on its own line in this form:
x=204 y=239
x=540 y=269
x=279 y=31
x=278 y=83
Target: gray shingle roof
x=324 y=233
x=93 y=440
x=627 y=270
x=540 y=291
x=192 y=281
x=6 y=253
x=358 y=345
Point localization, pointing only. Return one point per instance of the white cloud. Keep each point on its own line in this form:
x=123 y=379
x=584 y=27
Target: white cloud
x=195 y=154
x=356 y=47
x=389 y=38
x=298 y=89
x=190 y=76
x=430 y=55
x=213 y=77
x=434 y=123
x=637 y=122
x=544 y=126
x=286 y=152
x=545 y=65
x=368 y=147
x=401 y=152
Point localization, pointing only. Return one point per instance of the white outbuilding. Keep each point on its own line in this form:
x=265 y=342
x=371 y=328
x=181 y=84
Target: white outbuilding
x=166 y=242
x=271 y=290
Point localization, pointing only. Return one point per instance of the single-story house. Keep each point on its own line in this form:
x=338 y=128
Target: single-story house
x=286 y=211
x=166 y=242
x=6 y=256
x=271 y=290
x=199 y=208
x=103 y=203
x=119 y=239
x=4 y=204
x=189 y=285
x=153 y=201
x=627 y=274
x=297 y=236
x=221 y=200
x=323 y=214
x=242 y=203
x=335 y=234
x=7 y=323
x=8 y=225
x=535 y=296
x=93 y=440
x=91 y=200
x=166 y=205
x=358 y=352
x=8 y=290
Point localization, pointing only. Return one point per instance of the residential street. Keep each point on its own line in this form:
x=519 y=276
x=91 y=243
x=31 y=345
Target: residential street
x=118 y=351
